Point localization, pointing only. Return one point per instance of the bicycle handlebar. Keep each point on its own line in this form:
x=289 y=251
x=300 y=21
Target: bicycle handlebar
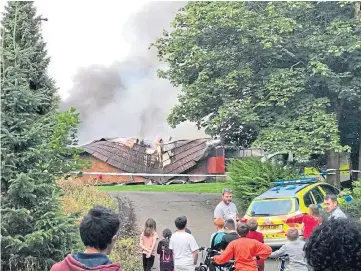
x=209 y=260
x=283 y=257
x=208 y=250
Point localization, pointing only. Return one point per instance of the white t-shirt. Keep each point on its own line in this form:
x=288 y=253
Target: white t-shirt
x=183 y=245
x=226 y=211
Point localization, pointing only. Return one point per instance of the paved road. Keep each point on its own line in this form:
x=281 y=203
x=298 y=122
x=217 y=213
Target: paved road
x=165 y=207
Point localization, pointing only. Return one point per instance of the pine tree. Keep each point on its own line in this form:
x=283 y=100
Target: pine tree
x=35 y=147
x=28 y=33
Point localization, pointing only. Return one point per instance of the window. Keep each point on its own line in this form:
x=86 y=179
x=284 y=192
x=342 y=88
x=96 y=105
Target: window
x=328 y=189
x=317 y=195
x=307 y=198
x=271 y=207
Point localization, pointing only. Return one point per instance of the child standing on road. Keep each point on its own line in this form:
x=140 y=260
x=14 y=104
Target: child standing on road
x=184 y=247
x=254 y=234
x=148 y=241
x=166 y=262
x=311 y=221
x=294 y=250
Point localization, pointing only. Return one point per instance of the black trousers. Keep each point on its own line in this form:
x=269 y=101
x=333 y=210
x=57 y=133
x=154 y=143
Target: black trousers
x=148 y=262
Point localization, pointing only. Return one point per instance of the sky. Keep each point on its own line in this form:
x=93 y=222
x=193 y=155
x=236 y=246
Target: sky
x=102 y=66
x=79 y=34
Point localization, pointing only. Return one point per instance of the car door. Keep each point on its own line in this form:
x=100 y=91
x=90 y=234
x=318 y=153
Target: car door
x=318 y=196
x=308 y=199
x=329 y=189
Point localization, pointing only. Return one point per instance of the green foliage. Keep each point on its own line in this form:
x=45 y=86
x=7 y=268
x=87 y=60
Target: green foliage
x=35 y=146
x=280 y=75
x=176 y=188
x=354 y=207
x=251 y=177
x=20 y=24
x=126 y=252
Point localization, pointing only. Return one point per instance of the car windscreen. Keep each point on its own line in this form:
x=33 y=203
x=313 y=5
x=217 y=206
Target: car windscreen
x=271 y=207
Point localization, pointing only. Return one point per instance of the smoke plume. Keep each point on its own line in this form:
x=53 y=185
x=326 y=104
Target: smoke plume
x=127 y=98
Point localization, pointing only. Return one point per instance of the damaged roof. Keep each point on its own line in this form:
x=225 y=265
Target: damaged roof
x=134 y=156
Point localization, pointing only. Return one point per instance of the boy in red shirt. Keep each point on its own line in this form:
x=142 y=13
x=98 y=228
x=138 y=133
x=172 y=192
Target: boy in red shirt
x=254 y=234
x=244 y=251
x=98 y=231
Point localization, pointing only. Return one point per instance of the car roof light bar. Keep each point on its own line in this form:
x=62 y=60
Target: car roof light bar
x=298 y=181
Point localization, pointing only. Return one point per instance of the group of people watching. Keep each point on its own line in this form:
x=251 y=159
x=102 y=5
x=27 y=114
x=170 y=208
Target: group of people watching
x=333 y=245
x=329 y=243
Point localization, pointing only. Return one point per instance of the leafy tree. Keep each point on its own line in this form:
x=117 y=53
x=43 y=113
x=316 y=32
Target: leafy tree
x=290 y=70
x=251 y=177
x=235 y=133
x=354 y=207
x=35 y=147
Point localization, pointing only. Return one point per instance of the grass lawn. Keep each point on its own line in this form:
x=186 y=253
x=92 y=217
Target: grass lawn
x=188 y=188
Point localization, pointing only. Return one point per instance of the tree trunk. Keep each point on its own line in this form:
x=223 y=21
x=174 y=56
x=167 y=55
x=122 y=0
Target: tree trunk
x=333 y=158
x=333 y=162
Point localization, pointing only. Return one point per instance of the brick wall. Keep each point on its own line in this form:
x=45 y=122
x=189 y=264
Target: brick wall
x=100 y=166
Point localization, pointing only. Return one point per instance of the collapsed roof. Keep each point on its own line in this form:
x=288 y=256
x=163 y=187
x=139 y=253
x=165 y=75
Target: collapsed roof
x=135 y=156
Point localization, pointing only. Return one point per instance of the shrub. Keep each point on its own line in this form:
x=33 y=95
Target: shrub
x=354 y=207
x=127 y=253
x=250 y=177
x=78 y=199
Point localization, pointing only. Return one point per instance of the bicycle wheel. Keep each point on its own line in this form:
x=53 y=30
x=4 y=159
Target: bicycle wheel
x=201 y=268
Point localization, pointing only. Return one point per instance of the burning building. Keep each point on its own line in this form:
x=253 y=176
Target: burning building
x=162 y=160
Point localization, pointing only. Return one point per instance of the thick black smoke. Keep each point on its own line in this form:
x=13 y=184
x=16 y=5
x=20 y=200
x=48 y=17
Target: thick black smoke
x=127 y=98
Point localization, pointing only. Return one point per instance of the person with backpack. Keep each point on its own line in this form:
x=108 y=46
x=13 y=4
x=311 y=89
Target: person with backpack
x=166 y=260
x=231 y=234
x=216 y=237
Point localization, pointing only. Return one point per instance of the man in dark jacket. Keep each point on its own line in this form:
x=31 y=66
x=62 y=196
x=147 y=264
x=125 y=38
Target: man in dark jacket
x=98 y=231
